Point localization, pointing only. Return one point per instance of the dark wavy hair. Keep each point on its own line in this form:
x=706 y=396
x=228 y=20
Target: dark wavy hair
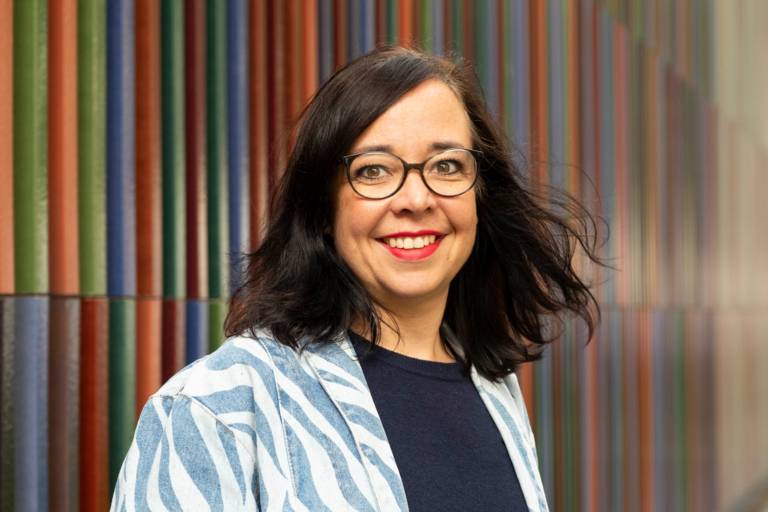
x=519 y=276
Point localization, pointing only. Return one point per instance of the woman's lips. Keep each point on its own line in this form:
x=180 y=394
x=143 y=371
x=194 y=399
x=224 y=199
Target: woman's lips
x=413 y=254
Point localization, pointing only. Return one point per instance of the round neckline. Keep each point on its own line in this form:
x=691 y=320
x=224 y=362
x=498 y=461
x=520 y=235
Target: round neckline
x=435 y=369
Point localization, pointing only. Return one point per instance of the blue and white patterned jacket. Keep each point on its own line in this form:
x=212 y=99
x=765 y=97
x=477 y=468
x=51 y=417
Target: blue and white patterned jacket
x=253 y=426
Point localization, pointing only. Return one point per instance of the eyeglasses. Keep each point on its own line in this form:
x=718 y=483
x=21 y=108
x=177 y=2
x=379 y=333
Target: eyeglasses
x=378 y=175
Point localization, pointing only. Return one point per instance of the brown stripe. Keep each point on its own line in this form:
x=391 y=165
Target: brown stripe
x=257 y=66
x=381 y=21
x=196 y=148
x=173 y=334
x=149 y=212
x=276 y=85
x=309 y=50
x=340 y=33
x=94 y=487
x=63 y=404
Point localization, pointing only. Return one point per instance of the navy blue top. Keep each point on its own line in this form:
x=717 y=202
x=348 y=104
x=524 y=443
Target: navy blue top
x=449 y=451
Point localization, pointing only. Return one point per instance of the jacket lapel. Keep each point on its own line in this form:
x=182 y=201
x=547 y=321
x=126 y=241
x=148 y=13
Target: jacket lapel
x=505 y=405
x=336 y=367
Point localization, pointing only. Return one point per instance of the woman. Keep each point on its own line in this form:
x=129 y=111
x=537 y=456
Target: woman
x=404 y=276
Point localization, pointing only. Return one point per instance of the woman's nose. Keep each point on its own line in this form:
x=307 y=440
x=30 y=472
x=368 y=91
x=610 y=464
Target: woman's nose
x=414 y=194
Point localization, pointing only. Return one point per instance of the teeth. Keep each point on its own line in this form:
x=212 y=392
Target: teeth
x=417 y=242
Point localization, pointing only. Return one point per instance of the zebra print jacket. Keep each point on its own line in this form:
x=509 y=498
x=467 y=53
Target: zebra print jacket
x=255 y=426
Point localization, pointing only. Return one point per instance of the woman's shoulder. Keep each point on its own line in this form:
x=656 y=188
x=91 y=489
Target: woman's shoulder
x=240 y=371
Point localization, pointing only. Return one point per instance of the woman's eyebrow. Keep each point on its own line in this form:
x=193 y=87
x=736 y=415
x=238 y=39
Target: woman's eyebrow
x=389 y=149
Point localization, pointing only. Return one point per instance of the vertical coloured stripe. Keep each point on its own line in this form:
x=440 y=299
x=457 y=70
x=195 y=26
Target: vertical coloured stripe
x=92 y=168
x=30 y=146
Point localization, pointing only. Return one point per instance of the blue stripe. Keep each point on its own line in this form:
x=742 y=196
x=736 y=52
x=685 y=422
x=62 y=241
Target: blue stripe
x=228 y=442
x=391 y=477
x=167 y=495
x=237 y=98
x=306 y=490
x=194 y=455
x=196 y=329
x=149 y=434
x=121 y=149
x=520 y=444
x=30 y=402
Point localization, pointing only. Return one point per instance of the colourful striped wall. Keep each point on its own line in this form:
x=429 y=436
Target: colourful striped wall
x=139 y=141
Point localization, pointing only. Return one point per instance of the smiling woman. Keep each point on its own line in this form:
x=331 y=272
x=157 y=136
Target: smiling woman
x=373 y=344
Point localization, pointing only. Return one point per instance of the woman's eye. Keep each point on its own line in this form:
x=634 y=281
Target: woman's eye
x=448 y=166
x=370 y=172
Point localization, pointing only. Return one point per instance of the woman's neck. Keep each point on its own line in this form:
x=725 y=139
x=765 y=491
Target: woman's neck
x=419 y=326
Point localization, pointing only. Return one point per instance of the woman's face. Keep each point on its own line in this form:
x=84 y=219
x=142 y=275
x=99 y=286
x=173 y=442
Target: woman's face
x=426 y=118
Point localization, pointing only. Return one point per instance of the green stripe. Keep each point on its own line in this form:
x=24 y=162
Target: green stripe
x=425 y=18
x=218 y=235
x=122 y=382
x=392 y=21
x=30 y=145
x=92 y=118
x=457 y=29
x=7 y=408
x=217 y=311
x=172 y=84
x=481 y=57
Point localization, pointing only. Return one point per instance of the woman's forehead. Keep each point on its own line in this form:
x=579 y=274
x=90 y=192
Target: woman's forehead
x=428 y=117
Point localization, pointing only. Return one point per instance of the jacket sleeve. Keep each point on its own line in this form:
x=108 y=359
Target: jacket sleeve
x=184 y=458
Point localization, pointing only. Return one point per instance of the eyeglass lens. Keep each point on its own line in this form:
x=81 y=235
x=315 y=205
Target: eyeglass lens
x=378 y=175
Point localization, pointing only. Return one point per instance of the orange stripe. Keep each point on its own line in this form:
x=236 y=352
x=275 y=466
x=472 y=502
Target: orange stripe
x=6 y=148
x=148 y=349
x=405 y=20
x=525 y=377
x=62 y=133
x=148 y=151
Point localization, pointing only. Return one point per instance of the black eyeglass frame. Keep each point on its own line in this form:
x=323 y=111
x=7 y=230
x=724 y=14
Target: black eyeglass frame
x=407 y=166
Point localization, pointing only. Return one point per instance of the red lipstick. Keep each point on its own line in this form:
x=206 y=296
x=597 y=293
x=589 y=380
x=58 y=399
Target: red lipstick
x=413 y=254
